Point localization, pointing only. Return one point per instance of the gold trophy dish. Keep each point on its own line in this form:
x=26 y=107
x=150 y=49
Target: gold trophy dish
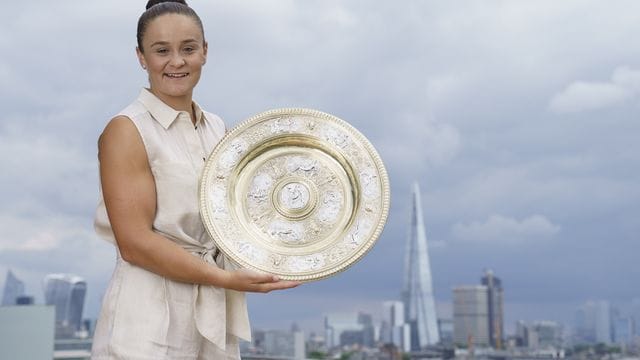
x=294 y=192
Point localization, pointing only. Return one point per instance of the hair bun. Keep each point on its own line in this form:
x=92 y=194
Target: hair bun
x=150 y=3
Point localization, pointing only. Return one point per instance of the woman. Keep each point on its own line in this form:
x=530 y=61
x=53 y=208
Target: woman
x=171 y=296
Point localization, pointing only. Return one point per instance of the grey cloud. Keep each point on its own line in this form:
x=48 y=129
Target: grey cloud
x=506 y=230
x=28 y=233
x=43 y=174
x=584 y=96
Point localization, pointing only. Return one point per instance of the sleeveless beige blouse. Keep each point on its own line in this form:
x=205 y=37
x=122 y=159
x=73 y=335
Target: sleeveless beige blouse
x=143 y=314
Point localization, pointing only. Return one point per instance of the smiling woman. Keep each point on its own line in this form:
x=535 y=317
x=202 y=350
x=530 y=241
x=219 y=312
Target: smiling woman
x=172 y=295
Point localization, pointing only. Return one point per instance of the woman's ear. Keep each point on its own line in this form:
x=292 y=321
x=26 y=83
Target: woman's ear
x=141 y=59
x=205 y=49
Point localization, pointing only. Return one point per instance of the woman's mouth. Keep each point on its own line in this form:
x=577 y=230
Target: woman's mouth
x=176 y=75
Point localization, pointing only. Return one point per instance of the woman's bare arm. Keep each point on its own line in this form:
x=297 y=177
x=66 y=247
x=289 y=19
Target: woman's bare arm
x=129 y=193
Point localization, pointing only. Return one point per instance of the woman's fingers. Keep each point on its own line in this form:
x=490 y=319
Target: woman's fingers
x=259 y=278
x=248 y=280
x=280 y=285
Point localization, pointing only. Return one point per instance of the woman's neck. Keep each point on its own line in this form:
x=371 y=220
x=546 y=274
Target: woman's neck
x=179 y=103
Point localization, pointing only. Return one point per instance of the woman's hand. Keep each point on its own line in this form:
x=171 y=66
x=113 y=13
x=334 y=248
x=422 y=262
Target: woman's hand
x=251 y=281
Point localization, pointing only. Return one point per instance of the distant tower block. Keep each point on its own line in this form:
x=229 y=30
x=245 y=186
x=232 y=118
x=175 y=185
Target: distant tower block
x=496 y=308
x=67 y=293
x=13 y=288
x=471 y=315
x=417 y=293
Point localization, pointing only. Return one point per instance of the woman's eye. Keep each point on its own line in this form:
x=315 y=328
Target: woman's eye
x=162 y=51
x=189 y=49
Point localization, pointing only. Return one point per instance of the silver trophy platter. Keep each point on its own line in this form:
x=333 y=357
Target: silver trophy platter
x=294 y=192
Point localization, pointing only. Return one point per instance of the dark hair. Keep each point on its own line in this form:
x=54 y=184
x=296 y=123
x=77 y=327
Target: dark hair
x=157 y=8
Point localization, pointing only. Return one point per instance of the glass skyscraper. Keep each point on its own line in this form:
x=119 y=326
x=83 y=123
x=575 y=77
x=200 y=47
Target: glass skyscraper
x=471 y=315
x=417 y=293
x=478 y=312
x=394 y=329
x=496 y=311
x=66 y=292
x=593 y=323
x=13 y=289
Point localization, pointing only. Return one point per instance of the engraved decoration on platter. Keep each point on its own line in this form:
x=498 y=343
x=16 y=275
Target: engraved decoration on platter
x=294 y=192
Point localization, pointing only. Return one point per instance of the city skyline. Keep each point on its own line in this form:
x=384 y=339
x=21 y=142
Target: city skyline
x=518 y=119
x=584 y=313
x=599 y=328
x=354 y=331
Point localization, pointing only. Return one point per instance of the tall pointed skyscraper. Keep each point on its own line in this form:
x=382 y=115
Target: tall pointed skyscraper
x=417 y=292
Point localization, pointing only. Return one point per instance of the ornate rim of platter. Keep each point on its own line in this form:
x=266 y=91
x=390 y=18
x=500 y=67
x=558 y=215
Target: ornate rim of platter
x=294 y=192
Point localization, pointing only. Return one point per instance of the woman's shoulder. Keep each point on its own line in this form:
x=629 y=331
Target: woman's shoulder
x=121 y=122
x=120 y=128
x=120 y=142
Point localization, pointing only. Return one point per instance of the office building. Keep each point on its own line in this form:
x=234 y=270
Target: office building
x=496 y=308
x=623 y=330
x=337 y=323
x=368 y=330
x=343 y=329
x=394 y=329
x=541 y=334
x=593 y=323
x=521 y=334
x=284 y=343
x=471 y=315
x=584 y=324
x=635 y=315
x=316 y=343
x=417 y=293
x=603 y=322
x=445 y=327
x=25 y=300
x=67 y=293
x=13 y=288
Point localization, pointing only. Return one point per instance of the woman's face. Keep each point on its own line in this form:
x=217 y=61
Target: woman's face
x=174 y=53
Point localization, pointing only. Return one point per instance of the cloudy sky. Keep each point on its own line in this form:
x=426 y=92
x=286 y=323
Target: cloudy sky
x=519 y=120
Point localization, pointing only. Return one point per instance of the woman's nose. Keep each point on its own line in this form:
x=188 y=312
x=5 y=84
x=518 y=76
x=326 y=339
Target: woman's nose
x=177 y=60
